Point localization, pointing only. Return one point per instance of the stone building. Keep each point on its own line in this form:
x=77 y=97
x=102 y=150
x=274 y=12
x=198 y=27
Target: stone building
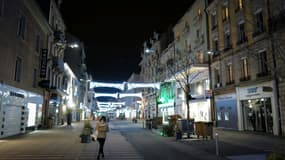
x=149 y=73
x=242 y=66
x=190 y=64
x=277 y=32
x=52 y=79
x=24 y=34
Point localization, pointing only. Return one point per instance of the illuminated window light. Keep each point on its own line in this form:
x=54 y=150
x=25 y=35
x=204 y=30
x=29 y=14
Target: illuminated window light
x=227 y=12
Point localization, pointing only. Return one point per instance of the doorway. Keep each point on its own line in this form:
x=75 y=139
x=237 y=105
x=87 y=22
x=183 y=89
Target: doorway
x=257 y=115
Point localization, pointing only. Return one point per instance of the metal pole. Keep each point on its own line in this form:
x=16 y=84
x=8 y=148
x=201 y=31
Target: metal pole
x=217 y=143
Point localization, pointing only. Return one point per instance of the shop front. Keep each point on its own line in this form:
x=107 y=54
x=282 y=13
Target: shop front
x=54 y=116
x=35 y=114
x=167 y=110
x=258 y=109
x=13 y=111
x=166 y=102
x=200 y=110
x=226 y=111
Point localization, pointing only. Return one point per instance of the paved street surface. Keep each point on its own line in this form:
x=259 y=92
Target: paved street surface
x=127 y=140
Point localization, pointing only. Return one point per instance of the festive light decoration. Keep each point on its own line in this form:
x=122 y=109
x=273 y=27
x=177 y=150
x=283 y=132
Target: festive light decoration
x=125 y=85
x=118 y=95
x=111 y=103
x=120 y=86
x=107 y=106
x=122 y=95
x=115 y=95
x=143 y=85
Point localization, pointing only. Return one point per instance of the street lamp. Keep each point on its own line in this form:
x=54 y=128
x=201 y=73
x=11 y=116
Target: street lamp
x=210 y=53
x=147 y=50
x=73 y=45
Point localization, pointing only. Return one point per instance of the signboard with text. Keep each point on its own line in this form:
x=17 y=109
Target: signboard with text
x=44 y=57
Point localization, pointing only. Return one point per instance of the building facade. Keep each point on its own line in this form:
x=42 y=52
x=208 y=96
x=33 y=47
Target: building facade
x=242 y=66
x=75 y=57
x=191 y=64
x=23 y=36
x=150 y=74
x=52 y=78
x=276 y=31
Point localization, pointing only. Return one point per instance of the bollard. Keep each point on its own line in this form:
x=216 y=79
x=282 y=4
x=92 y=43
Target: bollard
x=217 y=143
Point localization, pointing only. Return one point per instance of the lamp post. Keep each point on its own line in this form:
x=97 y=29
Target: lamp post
x=73 y=45
x=213 y=115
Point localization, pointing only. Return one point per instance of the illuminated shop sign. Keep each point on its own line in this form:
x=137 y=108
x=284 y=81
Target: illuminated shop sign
x=166 y=94
x=44 y=63
x=16 y=94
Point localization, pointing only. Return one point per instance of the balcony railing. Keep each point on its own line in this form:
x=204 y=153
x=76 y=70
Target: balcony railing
x=58 y=64
x=241 y=41
x=263 y=74
x=246 y=78
x=59 y=37
x=228 y=47
x=230 y=82
x=44 y=83
x=258 y=32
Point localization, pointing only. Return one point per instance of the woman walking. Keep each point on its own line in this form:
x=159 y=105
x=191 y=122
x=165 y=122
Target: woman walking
x=101 y=129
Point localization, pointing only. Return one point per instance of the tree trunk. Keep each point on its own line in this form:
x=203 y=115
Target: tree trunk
x=188 y=110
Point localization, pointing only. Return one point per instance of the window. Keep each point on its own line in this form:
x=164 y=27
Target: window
x=217 y=76
x=259 y=26
x=214 y=21
x=262 y=62
x=199 y=12
x=2 y=8
x=37 y=46
x=48 y=74
x=18 y=69
x=197 y=33
x=21 y=27
x=230 y=73
x=54 y=77
x=225 y=14
x=35 y=78
x=216 y=46
x=241 y=33
x=227 y=41
x=200 y=57
x=58 y=82
x=239 y=4
x=245 y=68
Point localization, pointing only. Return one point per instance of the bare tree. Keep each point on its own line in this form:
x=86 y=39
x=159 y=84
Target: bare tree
x=181 y=67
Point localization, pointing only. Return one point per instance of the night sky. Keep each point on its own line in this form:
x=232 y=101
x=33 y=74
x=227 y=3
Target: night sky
x=114 y=31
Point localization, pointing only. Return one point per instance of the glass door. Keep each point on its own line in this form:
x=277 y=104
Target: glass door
x=257 y=114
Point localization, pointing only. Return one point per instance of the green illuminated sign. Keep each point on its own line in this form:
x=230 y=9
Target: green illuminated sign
x=166 y=94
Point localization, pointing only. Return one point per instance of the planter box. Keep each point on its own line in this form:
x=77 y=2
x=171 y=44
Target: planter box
x=85 y=138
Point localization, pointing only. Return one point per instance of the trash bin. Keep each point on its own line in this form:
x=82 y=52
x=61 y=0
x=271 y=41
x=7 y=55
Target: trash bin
x=49 y=123
x=204 y=129
x=187 y=127
x=148 y=124
x=178 y=135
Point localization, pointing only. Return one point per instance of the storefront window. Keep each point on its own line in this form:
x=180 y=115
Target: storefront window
x=219 y=115
x=257 y=114
x=227 y=116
